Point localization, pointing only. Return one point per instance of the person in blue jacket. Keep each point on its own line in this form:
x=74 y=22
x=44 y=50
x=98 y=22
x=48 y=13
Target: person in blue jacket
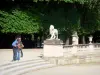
x=16 y=52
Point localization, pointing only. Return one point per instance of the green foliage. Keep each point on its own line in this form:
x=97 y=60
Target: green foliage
x=18 y=21
x=65 y=18
x=90 y=21
x=90 y=2
x=66 y=15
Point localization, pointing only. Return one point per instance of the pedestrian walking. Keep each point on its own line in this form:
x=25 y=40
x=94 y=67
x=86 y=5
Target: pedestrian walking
x=16 y=51
x=21 y=47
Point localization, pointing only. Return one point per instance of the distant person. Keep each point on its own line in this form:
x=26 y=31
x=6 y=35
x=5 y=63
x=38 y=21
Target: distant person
x=16 y=49
x=21 y=47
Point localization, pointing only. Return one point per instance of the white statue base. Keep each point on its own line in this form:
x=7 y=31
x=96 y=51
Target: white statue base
x=53 y=48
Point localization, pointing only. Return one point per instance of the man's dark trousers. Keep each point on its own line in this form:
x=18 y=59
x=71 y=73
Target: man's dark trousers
x=14 y=54
x=21 y=52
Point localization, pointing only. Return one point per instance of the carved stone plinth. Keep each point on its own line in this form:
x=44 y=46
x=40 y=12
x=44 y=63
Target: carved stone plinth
x=53 y=48
x=53 y=42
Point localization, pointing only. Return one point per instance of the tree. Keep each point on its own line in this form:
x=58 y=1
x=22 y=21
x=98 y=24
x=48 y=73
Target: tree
x=67 y=16
x=83 y=17
x=19 y=21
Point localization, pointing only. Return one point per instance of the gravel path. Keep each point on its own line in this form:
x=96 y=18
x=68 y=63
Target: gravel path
x=69 y=70
x=6 y=55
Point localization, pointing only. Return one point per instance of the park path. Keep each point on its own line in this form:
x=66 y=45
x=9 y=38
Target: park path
x=69 y=70
x=29 y=54
x=30 y=61
x=32 y=64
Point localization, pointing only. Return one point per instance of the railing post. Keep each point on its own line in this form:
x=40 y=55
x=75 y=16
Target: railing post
x=75 y=39
x=74 y=49
x=91 y=47
x=90 y=39
x=74 y=42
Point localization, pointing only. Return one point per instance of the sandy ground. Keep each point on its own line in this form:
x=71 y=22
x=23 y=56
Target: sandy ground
x=69 y=70
x=29 y=54
x=6 y=55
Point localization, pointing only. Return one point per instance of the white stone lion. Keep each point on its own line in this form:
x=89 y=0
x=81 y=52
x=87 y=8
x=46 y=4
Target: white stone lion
x=53 y=32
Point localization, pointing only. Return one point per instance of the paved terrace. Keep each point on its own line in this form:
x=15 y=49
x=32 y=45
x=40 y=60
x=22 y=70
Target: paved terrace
x=6 y=55
x=32 y=67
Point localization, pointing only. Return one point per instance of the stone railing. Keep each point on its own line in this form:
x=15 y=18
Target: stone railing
x=96 y=46
x=77 y=54
x=86 y=53
x=75 y=49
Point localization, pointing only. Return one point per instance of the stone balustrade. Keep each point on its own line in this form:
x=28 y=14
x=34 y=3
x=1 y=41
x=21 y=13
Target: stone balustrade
x=82 y=47
x=76 y=54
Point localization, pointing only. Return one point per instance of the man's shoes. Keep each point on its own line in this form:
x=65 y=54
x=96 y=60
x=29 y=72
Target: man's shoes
x=21 y=56
x=18 y=60
x=13 y=60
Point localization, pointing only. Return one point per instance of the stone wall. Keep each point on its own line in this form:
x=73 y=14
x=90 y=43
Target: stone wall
x=77 y=54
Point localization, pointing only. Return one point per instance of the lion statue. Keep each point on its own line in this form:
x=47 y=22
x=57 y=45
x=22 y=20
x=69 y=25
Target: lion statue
x=53 y=32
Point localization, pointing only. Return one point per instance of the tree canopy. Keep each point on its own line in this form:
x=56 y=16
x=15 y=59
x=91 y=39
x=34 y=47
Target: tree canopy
x=66 y=15
x=18 y=21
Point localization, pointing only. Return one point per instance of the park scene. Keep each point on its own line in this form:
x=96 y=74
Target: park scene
x=50 y=37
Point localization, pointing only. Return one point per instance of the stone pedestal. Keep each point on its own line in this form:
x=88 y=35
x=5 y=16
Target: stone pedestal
x=75 y=39
x=91 y=48
x=53 y=48
x=74 y=49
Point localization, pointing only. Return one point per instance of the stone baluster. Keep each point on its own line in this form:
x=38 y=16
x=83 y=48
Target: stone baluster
x=74 y=42
x=91 y=47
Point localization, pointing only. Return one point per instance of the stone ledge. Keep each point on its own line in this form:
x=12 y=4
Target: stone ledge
x=73 y=60
x=53 y=42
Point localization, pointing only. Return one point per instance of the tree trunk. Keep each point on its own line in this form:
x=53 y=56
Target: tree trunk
x=83 y=40
x=67 y=41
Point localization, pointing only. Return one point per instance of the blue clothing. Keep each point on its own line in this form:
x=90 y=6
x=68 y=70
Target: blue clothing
x=14 y=43
x=16 y=54
x=16 y=51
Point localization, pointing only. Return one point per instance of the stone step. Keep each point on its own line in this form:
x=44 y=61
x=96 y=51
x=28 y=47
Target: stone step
x=18 y=67
x=28 y=69
x=17 y=63
x=21 y=61
x=13 y=69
